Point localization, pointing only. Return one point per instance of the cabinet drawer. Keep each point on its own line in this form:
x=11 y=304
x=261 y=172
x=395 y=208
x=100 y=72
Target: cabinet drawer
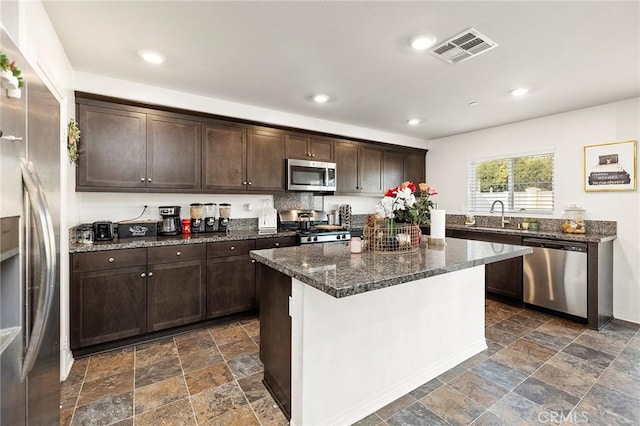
x=230 y=248
x=110 y=259
x=488 y=237
x=177 y=253
x=266 y=243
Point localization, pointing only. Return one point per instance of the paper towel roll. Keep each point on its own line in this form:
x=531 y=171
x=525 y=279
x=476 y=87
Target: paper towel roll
x=437 y=223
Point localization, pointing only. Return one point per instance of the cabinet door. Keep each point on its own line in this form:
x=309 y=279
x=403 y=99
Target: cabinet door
x=322 y=149
x=224 y=153
x=173 y=153
x=370 y=170
x=393 y=169
x=298 y=147
x=414 y=167
x=346 y=168
x=107 y=305
x=231 y=286
x=265 y=161
x=176 y=294
x=113 y=148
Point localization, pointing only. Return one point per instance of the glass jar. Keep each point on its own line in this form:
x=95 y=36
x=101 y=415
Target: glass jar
x=84 y=233
x=574 y=220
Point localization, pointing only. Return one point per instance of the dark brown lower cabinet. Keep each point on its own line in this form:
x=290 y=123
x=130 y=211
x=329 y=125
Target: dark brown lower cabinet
x=176 y=294
x=275 y=334
x=107 y=305
x=231 y=286
x=231 y=278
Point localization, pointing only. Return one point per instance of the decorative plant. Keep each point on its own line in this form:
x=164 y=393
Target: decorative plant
x=404 y=204
x=73 y=137
x=10 y=66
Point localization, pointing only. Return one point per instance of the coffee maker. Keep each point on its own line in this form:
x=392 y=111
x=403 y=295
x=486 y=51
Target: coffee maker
x=170 y=224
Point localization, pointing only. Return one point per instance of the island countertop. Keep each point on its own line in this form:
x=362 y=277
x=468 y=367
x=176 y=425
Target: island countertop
x=332 y=269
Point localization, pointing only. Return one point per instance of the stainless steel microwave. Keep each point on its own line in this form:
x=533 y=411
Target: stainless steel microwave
x=305 y=175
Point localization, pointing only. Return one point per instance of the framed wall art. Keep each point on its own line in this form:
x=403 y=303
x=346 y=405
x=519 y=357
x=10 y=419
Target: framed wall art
x=610 y=166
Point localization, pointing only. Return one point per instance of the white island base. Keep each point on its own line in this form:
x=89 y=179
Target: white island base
x=351 y=356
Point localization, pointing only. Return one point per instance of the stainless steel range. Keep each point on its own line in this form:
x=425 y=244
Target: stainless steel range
x=312 y=226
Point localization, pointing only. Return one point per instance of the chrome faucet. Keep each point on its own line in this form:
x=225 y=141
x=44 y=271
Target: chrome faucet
x=502 y=219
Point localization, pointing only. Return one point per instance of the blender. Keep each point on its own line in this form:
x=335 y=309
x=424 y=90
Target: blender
x=225 y=213
x=210 y=216
x=197 y=224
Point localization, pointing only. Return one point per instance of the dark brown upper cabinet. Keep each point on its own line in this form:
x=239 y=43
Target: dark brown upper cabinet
x=238 y=158
x=126 y=148
x=265 y=160
x=305 y=147
x=113 y=148
x=173 y=153
x=393 y=169
x=358 y=168
x=224 y=150
x=414 y=166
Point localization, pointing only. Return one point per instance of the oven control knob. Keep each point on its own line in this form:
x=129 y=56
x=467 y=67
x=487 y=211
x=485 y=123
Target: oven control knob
x=315 y=238
x=309 y=239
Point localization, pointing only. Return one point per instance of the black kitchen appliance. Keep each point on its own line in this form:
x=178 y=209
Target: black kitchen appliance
x=103 y=231
x=171 y=223
x=312 y=226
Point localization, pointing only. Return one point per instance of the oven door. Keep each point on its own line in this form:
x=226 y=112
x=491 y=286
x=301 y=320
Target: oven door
x=304 y=175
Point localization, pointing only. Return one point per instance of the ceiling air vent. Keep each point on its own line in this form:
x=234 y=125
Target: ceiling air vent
x=465 y=45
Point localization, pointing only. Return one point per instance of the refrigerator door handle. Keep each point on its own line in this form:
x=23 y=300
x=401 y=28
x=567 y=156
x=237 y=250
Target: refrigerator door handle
x=46 y=239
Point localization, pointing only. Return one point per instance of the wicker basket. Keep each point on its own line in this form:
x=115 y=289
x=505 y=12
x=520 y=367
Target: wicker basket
x=390 y=237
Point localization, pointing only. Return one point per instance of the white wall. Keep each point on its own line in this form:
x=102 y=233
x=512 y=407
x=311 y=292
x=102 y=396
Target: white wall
x=566 y=134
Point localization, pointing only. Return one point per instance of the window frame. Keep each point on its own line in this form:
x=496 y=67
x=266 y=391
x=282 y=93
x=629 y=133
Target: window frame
x=477 y=207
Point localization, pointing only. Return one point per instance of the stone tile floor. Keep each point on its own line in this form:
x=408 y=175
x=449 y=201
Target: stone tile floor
x=538 y=369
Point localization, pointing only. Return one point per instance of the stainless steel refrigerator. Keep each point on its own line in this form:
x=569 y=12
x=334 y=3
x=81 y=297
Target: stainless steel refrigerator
x=29 y=250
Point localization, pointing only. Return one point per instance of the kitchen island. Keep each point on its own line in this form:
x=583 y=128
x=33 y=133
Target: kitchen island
x=342 y=335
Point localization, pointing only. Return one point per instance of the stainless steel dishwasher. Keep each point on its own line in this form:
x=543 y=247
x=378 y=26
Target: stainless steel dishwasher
x=555 y=276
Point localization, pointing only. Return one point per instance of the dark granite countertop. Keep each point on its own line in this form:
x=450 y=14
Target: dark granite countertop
x=331 y=268
x=553 y=235
x=213 y=237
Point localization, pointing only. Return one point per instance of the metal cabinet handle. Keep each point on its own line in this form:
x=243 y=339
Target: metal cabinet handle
x=111 y=260
x=253 y=261
x=313 y=155
x=148 y=179
x=277 y=244
x=249 y=183
x=179 y=253
x=244 y=183
x=12 y=138
x=150 y=274
x=142 y=275
x=43 y=224
x=141 y=179
x=233 y=248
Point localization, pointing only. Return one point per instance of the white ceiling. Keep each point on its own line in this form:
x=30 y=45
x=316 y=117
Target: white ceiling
x=276 y=54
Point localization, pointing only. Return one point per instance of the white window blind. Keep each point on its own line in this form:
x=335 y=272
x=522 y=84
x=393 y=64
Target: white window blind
x=524 y=183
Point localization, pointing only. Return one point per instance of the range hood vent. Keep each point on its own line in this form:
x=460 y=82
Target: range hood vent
x=463 y=46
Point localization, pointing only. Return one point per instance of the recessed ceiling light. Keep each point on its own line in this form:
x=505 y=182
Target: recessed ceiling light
x=320 y=98
x=414 y=121
x=521 y=91
x=422 y=42
x=152 y=57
